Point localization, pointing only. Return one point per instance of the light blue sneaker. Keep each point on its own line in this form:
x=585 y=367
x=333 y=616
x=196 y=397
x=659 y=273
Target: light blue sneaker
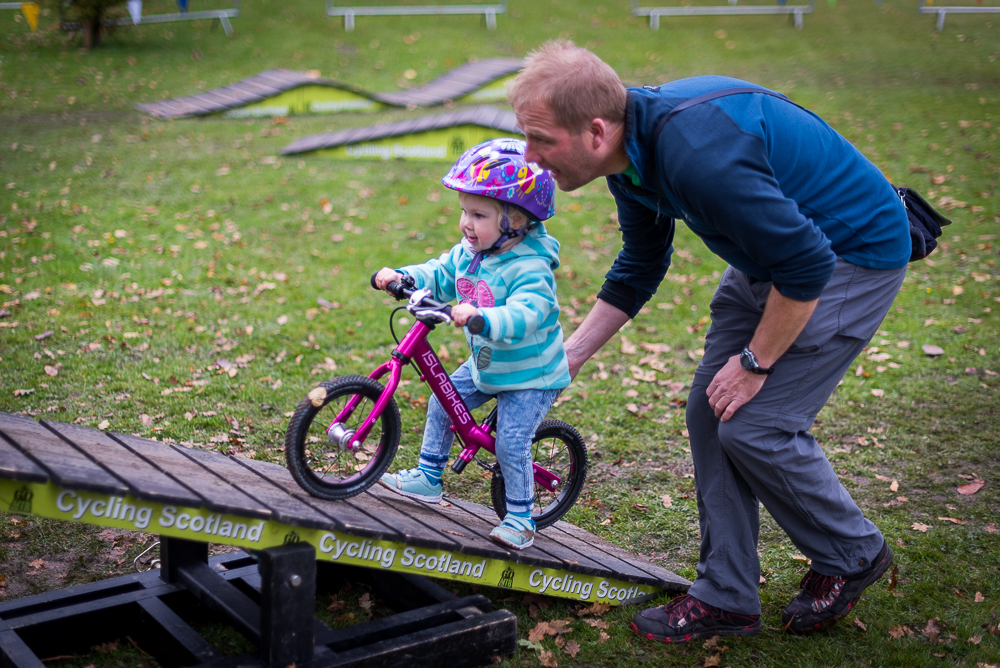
x=515 y=532
x=414 y=484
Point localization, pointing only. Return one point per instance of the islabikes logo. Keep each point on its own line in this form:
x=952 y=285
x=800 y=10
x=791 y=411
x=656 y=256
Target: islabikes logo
x=446 y=387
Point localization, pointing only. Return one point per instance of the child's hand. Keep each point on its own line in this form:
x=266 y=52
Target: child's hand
x=461 y=313
x=385 y=276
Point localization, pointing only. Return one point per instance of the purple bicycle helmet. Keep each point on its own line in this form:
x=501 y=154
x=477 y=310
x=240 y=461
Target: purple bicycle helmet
x=497 y=169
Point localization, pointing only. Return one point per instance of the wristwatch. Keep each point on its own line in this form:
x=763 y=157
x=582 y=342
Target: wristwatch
x=749 y=363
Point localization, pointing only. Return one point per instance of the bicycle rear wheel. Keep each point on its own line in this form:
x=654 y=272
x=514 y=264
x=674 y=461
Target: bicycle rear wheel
x=558 y=447
x=329 y=466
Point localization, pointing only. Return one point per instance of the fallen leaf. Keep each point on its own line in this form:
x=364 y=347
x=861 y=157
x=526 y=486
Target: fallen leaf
x=860 y=624
x=933 y=629
x=878 y=393
x=932 y=350
x=103 y=425
x=597 y=623
x=37 y=564
x=894 y=487
x=597 y=609
x=800 y=557
x=146 y=420
x=573 y=647
x=51 y=370
x=972 y=487
x=546 y=658
x=979 y=597
x=917 y=526
x=953 y=520
x=894 y=581
x=712 y=642
x=44 y=335
x=897 y=632
x=975 y=640
x=711 y=661
x=667 y=501
x=604 y=637
x=555 y=627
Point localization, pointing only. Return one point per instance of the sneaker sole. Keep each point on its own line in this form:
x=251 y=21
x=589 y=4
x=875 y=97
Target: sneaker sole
x=872 y=579
x=501 y=541
x=673 y=640
x=411 y=495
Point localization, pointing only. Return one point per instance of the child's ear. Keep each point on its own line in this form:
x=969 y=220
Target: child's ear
x=517 y=220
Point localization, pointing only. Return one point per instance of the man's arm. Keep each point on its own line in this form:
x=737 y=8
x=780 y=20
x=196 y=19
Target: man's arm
x=780 y=325
x=603 y=321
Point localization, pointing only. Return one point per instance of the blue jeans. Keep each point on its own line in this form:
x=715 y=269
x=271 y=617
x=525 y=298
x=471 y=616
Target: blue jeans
x=519 y=412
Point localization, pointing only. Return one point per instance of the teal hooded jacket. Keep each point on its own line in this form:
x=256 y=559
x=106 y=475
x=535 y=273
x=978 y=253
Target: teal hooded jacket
x=522 y=345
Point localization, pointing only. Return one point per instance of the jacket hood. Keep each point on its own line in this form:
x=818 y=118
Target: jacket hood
x=537 y=243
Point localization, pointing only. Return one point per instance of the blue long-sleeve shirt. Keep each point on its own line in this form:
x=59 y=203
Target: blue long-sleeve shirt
x=768 y=186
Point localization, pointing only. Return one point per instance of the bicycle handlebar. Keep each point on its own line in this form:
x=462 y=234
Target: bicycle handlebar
x=400 y=291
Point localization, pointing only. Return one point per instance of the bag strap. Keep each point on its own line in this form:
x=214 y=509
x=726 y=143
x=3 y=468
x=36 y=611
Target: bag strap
x=725 y=92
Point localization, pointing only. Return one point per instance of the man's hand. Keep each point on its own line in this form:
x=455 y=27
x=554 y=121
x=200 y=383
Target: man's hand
x=461 y=313
x=731 y=388
x=385 y=276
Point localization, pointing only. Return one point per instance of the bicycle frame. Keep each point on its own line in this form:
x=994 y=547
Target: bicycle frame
x=414 y=346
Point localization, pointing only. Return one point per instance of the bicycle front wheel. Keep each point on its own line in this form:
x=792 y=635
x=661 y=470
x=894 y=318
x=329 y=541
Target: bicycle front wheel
x=558 y=447
x=319 y=442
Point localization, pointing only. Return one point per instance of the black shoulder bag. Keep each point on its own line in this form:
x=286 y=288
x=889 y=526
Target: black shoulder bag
x=925 y=221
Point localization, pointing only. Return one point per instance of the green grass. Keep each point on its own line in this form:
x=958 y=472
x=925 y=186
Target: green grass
x=153 y=249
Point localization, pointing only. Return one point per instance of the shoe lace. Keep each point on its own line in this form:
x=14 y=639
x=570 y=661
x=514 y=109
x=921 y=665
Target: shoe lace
x=819 y=585
x=681 y=607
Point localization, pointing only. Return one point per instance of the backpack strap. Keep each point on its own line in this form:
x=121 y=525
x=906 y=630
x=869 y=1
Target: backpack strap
x=725 y=92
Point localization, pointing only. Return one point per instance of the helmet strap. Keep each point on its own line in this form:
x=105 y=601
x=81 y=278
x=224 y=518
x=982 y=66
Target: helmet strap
x=506 y=234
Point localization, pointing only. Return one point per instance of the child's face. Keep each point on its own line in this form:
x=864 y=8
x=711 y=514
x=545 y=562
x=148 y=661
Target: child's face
x=480 y=222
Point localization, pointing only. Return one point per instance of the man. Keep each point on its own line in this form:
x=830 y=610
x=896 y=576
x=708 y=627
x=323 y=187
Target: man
x=817 y=241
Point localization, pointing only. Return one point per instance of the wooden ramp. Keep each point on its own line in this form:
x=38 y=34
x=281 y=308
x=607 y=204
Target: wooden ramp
x=79 y=474
x=435 y=137
x=284 y=92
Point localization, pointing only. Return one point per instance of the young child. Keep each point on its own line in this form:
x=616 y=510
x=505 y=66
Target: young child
x=502 y=270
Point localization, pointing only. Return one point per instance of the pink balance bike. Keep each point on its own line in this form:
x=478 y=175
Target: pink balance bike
x=343 y=436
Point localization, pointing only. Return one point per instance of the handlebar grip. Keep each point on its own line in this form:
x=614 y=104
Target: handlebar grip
x=374 y=287
x=476 y=324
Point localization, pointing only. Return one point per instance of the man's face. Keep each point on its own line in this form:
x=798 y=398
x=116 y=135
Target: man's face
x=567 y=155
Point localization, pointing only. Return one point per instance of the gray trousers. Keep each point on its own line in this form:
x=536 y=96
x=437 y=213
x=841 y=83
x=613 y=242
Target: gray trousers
x=765 y=452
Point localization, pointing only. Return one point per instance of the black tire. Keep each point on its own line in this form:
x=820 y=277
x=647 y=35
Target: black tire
x=326 y=470
x=558 y=447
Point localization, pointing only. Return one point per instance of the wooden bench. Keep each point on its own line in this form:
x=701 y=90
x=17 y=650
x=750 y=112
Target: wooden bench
x=223 y=15
x=349 y=12
x=943 y=11
x=654 y=13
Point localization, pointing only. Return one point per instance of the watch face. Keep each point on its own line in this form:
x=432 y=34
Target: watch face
x=747 y=360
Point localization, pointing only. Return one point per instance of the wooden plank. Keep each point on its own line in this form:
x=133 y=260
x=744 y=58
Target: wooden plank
x=217 y=494
x=144 y=480
x=66 y=466
x=15 y=465
x=341 y=515
x=470 y=538
x=575 y=545
x=601 y=546
x=572 y=560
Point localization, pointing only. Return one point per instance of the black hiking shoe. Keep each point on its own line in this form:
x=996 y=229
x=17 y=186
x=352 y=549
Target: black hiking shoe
x=826 y=599
x=686 y=618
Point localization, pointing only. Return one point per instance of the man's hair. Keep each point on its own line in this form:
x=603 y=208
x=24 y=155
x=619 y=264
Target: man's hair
x=575 y=84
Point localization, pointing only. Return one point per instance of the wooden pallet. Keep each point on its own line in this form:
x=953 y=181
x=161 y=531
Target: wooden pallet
x=79 y=474
x=282 y=92
x=271 y=602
